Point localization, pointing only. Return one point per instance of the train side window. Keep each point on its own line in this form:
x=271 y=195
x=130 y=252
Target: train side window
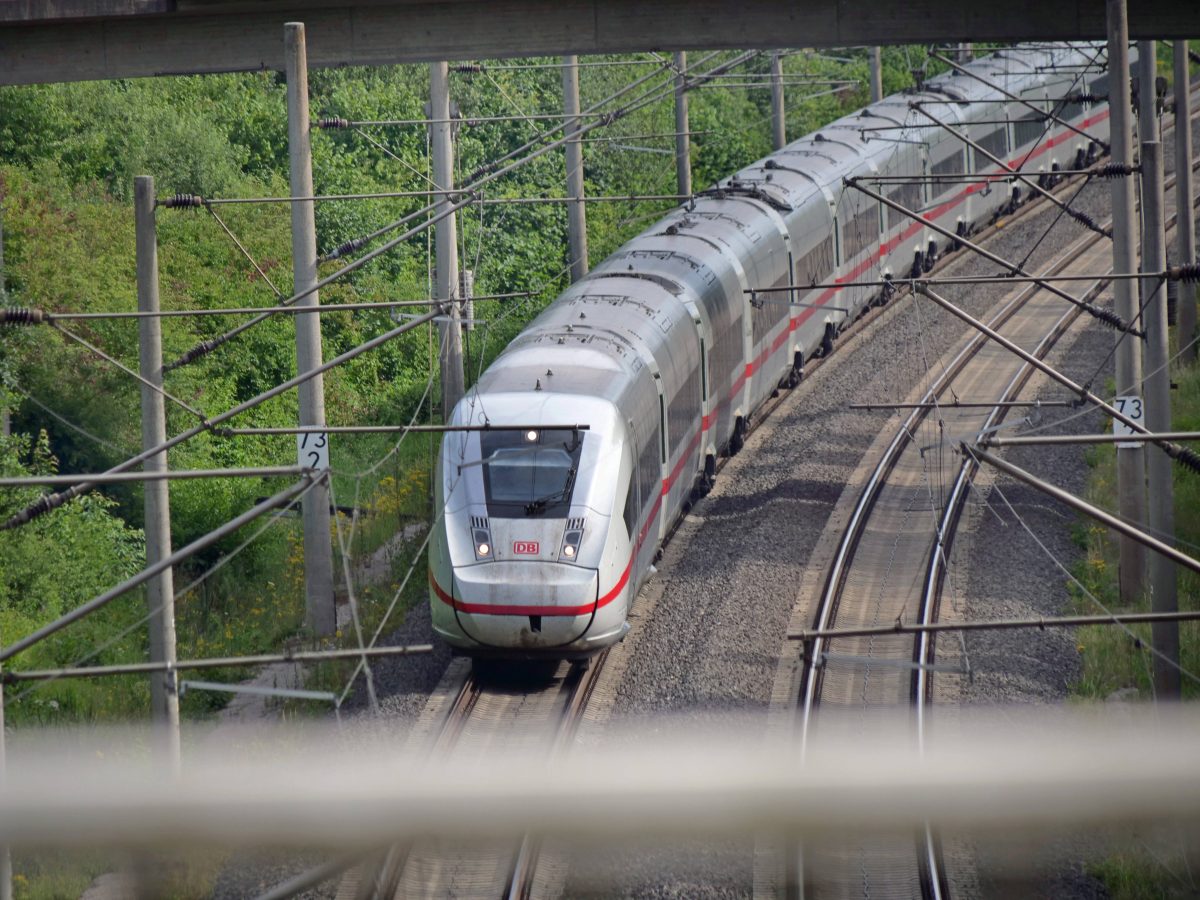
x=662 y=432
x=630 y=508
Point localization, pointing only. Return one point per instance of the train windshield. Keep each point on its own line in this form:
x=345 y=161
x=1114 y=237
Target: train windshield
x=529 y=473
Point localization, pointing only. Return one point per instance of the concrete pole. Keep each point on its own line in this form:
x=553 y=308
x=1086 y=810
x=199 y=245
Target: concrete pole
x=778 y=115
x=6 y=873
x=1161 y=505
x=6 y=882
x=1131 y=461
x=318 y=543
x=876 y=74
x=1185 y=223
x=160 y=590
x=1147 y=97
x=446 y=236
x=964 y=52
x=576 y=211
x=5 y=420
x=683 y=139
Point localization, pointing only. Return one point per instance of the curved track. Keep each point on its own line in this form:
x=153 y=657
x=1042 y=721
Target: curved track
x=891 y=564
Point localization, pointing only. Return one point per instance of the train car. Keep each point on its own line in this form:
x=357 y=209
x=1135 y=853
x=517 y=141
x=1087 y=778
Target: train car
x=631 y=384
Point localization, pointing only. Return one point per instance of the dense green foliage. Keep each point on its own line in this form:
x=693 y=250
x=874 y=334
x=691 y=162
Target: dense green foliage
x=68 y=154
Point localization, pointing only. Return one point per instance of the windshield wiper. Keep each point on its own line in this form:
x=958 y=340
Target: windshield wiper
x=533 y=507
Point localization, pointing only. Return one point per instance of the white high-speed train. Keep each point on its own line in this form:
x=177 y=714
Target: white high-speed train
x=548 y=533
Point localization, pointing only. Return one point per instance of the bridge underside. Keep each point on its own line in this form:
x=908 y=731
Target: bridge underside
x=75 y=40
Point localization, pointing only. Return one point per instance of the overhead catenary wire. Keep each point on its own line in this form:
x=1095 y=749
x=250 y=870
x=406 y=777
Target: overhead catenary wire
x=1147 y=645
x=1079 y=216
x=74 y=426
x=207 y=346
x=47 y=502
x=136 y=376
x=246 y=253
x=1104 y=315
x=10 y=676
x=149 y=572
x=1180 y=454
x=167 y=475
x=1011 y=96
x=403 y=429
x=196 y=582
x=1039 y=622
x=256 y=310
x=483 y=177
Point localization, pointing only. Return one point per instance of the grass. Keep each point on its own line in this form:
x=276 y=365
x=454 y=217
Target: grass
x=1113 y=660
x=256 y=604
x=57 y=874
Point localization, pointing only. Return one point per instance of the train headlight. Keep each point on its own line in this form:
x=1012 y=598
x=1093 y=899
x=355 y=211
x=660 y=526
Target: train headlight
x=531 y=436
x=483 y=543
x=570 y=547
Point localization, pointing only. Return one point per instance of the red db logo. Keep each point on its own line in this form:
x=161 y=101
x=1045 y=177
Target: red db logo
x=528 y=548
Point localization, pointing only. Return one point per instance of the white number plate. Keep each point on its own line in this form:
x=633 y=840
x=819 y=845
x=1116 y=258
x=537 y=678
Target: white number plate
x=312 y=451
x=1134 y=408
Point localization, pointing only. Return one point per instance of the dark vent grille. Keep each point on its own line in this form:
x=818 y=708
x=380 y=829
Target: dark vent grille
x=575 y=524
x=479 y=522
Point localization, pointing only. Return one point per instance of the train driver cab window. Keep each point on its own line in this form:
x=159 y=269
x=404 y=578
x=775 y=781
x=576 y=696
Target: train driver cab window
x=529 y=473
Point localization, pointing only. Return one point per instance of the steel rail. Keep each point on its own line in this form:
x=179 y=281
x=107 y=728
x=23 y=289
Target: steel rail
x=525 y=862
x=930 y=608
x=928 y=855
x=1104 y=315
x=386 y=869
x=947 y=527
x=930 y=869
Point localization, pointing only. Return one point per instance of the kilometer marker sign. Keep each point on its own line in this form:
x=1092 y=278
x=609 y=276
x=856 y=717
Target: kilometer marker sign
x=1135 y=408
x=312 y=451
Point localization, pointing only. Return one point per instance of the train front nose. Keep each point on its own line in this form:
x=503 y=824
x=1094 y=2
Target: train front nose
x=535 y=605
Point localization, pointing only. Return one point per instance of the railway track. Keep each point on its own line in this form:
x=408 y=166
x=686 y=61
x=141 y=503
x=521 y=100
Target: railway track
x=477 y=715
x=891 y=563
x=536 y=711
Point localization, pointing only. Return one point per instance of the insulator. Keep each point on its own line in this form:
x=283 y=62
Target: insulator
x=483 y=170
x=1086 y=97
x=19 y=315
x=1189 y=458
x=1084 y=219
x=1111 y=319
x=342 y=250
x=1189 y=273
x=468 y=68
x=39 y=507
x=333 y=122
x=1114 y=170
x=183 y=201
x=204 y=347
